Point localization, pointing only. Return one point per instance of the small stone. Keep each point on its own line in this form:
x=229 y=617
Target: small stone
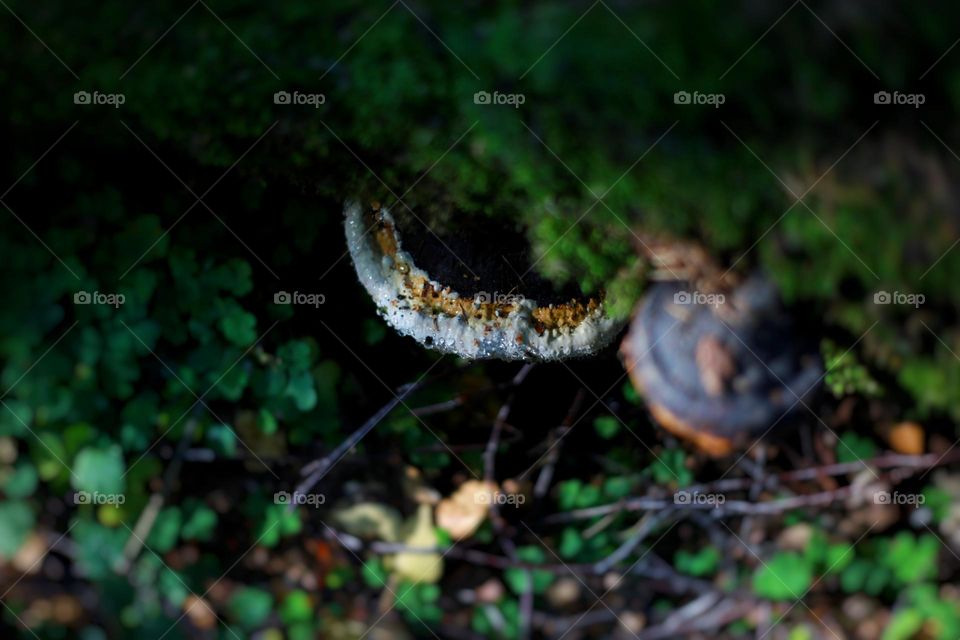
x=796 y=537
x=490 y=591
x=28 y=558
x=564 y=592
x=199 y=612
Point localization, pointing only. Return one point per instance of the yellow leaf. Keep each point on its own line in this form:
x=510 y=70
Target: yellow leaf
x=420 y=567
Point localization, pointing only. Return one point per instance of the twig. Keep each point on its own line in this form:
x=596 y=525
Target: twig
x=897 y=462
x=756 y=471
x=739 y=507
x=599 y=526
x=655 y=568
x=438 y=407
x=496 y=520
x=461 y=399
x=553 y=626
x=720 y=613
x=642 y=529
x=706 y=613
x=316 y=470
x=148 y=517
x=545 y=478
x=885 y=461
x=676 y=583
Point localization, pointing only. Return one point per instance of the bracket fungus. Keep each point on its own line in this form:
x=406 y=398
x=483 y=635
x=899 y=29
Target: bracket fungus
x=458 y=293
x=718 y=368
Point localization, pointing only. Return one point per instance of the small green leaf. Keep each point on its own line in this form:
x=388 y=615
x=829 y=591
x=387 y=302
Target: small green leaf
x=838 y=557
x=539 y=579
x=670 y=468
x=200 y=524
x=444 y=539
x=222 y=439
x=99 y=470
x=301 y=631
x=49 y=454
x=607 y=426
x=904 y=624
x=171 y=585
x=567 y=493
x=268 y=423
x=233 y=382
x=589 y=496
x=699 y=563
x=630 y=394
x=302 y=390
x=429 y=592
x=938 y=501
x=166 y=530
x=13 y=418
x=912 y=559
x=617 y=487
x=16 y=522
x=571 y=543
x=22 y=481
x=296 y=607
x=852 y=447
x=854 y=576
x=250 y=607
x=99 y=548
x=239 y=326
x=374 y=574
x=278 y=522
x=785 y=576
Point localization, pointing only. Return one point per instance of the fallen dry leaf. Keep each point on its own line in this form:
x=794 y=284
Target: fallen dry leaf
x=419 y=566
x=907 y=438
x=369 y=520
x=464 y=511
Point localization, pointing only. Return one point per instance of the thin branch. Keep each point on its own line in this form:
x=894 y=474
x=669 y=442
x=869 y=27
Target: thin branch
x=148 y=517
x=496 y=520
x=316 y=470
x=900 y=465
x=545 y=479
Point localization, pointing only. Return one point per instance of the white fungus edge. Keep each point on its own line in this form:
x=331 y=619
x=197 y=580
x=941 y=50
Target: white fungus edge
x=470 y=338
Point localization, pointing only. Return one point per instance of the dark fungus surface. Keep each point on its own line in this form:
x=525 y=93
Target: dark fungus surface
x=481 y=254
x=717 y=370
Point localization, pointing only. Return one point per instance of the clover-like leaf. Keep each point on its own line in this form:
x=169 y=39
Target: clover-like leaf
x=99 y=469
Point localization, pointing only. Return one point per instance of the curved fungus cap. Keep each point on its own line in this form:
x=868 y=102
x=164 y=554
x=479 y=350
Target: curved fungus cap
x=435 y=301
x=718 y=373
